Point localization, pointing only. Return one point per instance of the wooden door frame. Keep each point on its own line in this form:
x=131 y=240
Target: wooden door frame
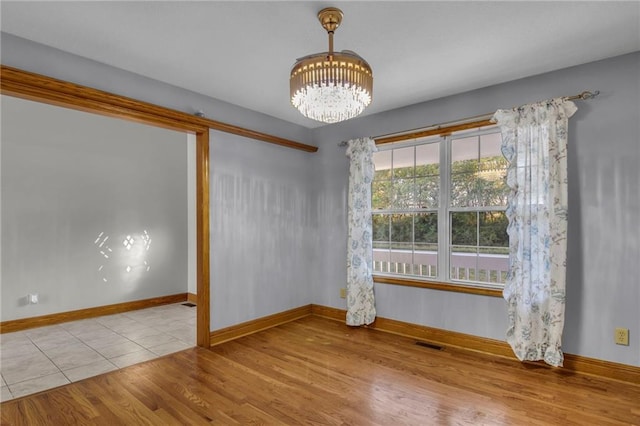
x=35 y=87
x=32 y=87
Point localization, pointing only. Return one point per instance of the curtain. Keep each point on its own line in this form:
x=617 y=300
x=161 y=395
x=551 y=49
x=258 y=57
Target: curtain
x=534 y=141
x=360 y=300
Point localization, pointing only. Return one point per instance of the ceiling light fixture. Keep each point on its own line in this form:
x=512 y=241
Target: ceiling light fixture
x=331 y=86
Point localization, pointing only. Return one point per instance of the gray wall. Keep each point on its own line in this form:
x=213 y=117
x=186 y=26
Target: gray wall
x=192 y=248
x=71 y=179
x=603 y=278
x=263 y=228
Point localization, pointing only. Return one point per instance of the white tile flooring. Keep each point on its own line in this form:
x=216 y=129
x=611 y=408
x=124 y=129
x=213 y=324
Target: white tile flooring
x=46 y=357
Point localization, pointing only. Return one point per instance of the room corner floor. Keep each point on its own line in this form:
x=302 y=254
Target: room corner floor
x=46 y=357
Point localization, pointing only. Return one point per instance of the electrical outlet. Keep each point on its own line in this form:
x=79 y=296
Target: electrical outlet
x=343 y=293
x=622 y=336
x=33 y=298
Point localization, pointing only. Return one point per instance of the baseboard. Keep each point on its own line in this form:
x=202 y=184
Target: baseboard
x=192 y=298
x=50 y=319
x=330 y=313
x=259 y=324
x=468 y=342
x=459 y=341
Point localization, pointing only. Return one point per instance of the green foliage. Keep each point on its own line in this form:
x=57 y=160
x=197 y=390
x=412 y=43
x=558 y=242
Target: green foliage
x=474 y=183
x=484 y=229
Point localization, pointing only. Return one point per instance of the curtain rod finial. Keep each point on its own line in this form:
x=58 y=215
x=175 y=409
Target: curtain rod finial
x=589 y=95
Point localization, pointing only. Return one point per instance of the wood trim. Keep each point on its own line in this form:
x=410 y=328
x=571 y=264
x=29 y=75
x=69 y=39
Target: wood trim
x=50 y=319
x=259 y=324
x=442 y=337
x=468 y=342
x=203 y=283
x=44 y=89
x=596 y=367
x=36 y=87
x=27 y=85
x=252 y=134
x=192 y=298
x=328 y=312
x=437 y=285
x=439 y=130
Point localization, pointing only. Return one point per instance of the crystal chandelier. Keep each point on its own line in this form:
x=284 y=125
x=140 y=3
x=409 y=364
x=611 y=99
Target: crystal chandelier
x=331 y=86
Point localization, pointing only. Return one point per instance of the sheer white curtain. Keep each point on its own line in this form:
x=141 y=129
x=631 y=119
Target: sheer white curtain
x=360 y=300
x=535 y=143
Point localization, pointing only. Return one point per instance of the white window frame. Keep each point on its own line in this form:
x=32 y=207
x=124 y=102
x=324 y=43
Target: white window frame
x=443 y=211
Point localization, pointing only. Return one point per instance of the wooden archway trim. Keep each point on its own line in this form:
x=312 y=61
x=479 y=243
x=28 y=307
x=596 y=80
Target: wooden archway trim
x=27 y=85
x=43 y=89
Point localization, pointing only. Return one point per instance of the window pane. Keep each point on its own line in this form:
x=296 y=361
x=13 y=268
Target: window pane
x=486 y=260
x=427 y=192
x=487 y=188
x=429 y=269
x=403 y=162
x=381 y=223
x=381 y=260
x=464 y=172
x=464 y=149
x=403 y=193
x=463 y=263
x=401 y=231
x=464 y=190
x=493 y=231
x=492 y=172
x=491 y=187
x=491 y=146
x=478 y=181
x=426 y=231
x=428 y=159
x=464 y=229
x=425 y=256
x=380 y=194
x=381 y=242
x=382 y=161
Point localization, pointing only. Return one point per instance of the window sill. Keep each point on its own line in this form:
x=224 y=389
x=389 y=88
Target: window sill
x=438 y=285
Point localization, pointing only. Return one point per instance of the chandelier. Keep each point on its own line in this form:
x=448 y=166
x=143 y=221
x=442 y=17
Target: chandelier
x=331 y=86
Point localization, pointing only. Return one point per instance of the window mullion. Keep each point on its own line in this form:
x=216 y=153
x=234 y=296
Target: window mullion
x=443 y=210
x=391 y=207
x=414 y=196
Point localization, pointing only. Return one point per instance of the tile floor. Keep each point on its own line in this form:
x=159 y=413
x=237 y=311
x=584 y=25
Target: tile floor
x=42 y=358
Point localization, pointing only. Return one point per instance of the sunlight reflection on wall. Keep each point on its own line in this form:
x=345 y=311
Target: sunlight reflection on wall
x=127 y=261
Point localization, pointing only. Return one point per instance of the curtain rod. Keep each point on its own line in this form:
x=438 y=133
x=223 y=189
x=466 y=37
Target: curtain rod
x=581 y=96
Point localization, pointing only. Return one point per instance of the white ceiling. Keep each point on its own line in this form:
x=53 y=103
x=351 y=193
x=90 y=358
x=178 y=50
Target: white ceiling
x=241 y=52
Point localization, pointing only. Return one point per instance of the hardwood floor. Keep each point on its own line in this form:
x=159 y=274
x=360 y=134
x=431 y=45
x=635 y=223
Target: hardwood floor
x=318 y=371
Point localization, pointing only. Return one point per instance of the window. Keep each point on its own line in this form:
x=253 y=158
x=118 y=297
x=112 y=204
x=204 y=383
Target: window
x=439 y=209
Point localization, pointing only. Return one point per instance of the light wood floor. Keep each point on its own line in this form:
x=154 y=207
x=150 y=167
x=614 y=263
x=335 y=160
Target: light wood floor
x=318 y=371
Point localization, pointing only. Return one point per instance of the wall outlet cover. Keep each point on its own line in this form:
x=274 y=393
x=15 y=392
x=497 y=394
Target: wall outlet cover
x=622 y=336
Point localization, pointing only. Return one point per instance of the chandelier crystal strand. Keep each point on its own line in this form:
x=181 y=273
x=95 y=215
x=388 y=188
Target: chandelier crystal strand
x=331 y=87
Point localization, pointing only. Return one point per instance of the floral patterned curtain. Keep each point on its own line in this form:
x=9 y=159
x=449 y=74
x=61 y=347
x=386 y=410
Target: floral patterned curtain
x=361 y=308
x=535 y=144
